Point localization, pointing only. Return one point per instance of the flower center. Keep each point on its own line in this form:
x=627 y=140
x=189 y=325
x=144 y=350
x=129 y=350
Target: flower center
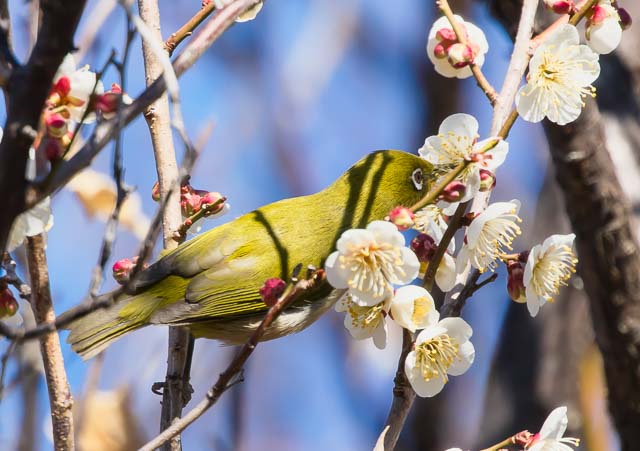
x=366 y=317
x=496 y=235
x=553 y=270
x=421 y=308
x=373 y=267
x=435 y=356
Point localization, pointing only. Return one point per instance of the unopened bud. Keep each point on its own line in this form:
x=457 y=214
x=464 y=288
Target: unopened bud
x=108 y=102
x=122 y=269
x=446 y=34
x=440 y=51
x=8 y=304
x=625 y=18
x=424 y=247
x=515 y=281
x=272 y=290
x=487 y=180
x=460 y=55
x=598 y=14
x=190 y=203
x=56 y=125
x=522 y=439
x=208 y=198
x=155 y=192
x=454 y=191
x=559 y=6
x=53 y=149
x=401 y=217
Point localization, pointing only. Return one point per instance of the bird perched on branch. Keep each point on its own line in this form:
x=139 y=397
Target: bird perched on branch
x=212 y=283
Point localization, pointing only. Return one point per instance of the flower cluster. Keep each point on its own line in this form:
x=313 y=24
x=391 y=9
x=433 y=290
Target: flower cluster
x=450 y=57
x=75 y=97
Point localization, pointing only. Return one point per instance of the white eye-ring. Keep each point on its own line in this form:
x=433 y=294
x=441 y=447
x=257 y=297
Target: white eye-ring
x=417 y=179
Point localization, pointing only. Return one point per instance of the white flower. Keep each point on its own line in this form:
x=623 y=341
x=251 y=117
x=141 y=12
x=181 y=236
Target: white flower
x=30 y=223
x=549 y=265
x=477 y=44
x=364 y=322
x=560 y=76
x=550 y=437
x=446 y=273
x=82 y=83
x=246 y=16
x=412 y=307
x=456 y=142
x=441 y=349
x=369 y=261
x=432 y=220
x=603 y=31
x=489 y=234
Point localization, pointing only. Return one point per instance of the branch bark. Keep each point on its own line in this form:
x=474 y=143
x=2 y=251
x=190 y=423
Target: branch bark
x=176 y=387
x=600 y=215
x=60 y=399
x=29 y=86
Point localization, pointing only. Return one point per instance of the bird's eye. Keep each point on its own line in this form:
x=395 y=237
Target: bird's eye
x=417 y=179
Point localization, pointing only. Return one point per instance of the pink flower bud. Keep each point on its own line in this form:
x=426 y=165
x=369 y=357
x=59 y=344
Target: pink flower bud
x=559 y=6
x=446 y=34
x=424 y=247
x=460 y=55
x=454 y=191
x=210 y=198
x=108 y=102
x=56 y=125
x=487 y=180
x=155 y=192
x=272 y=290
x=523 y=439
x=190 y=203
x=53 y=149
x=625 y=18
x=515 y=284
x=206 y=2
x=440 y=51
x=8 y=304
x=122 y=269
x=598 y=14
x=401 y=217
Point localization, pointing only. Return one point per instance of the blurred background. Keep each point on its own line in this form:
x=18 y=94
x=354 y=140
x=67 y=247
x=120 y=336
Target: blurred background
x=295 y=97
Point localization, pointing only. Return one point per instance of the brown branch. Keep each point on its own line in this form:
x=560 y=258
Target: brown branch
x=600 y=215
x=225 y=381
x=187 y=29
x=60 y=399
x=454 y=305
x=176 y=390
x=29 y=87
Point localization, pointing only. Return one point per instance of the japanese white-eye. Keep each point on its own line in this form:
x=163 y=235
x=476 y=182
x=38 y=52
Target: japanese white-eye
x=211 y=283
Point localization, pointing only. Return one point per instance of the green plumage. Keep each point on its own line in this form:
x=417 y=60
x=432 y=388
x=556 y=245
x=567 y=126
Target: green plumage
x=211 y=283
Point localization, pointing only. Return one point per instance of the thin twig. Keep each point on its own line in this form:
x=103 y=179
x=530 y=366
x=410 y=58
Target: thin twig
x=483 y=83
x=3 y=365
x=98 y=15
x=60 y=399
x=454 y=305
x=226 y=379
x=187 y=29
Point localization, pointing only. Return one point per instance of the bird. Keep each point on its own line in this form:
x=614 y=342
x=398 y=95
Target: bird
x=211 y=283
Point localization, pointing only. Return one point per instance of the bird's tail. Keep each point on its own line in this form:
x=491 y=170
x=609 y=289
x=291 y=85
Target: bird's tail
x=94 y=332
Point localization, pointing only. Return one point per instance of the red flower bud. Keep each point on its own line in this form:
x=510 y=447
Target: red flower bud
x=598 y=15
x=515 y=284
x=56 y=125
x=625 y=18
x=487 y=180
x=523 y=439
x=122 y=269
x=190 y=203
x=446 y=34
x=53 y=149
x=460 y=55
x=8 y=304
x=208 y=198
x=155 y=192
x=559 y=6
x=440 y=51
x=454 y=191
x=272 y=290
x=401 y=217
x=424 y=247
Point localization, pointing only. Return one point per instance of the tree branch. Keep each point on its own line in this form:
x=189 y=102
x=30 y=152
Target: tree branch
x=225 y=381
x=60 y=398
x=29 y=86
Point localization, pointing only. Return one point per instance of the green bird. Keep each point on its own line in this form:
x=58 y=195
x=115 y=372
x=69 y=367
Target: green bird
x=211 y=283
